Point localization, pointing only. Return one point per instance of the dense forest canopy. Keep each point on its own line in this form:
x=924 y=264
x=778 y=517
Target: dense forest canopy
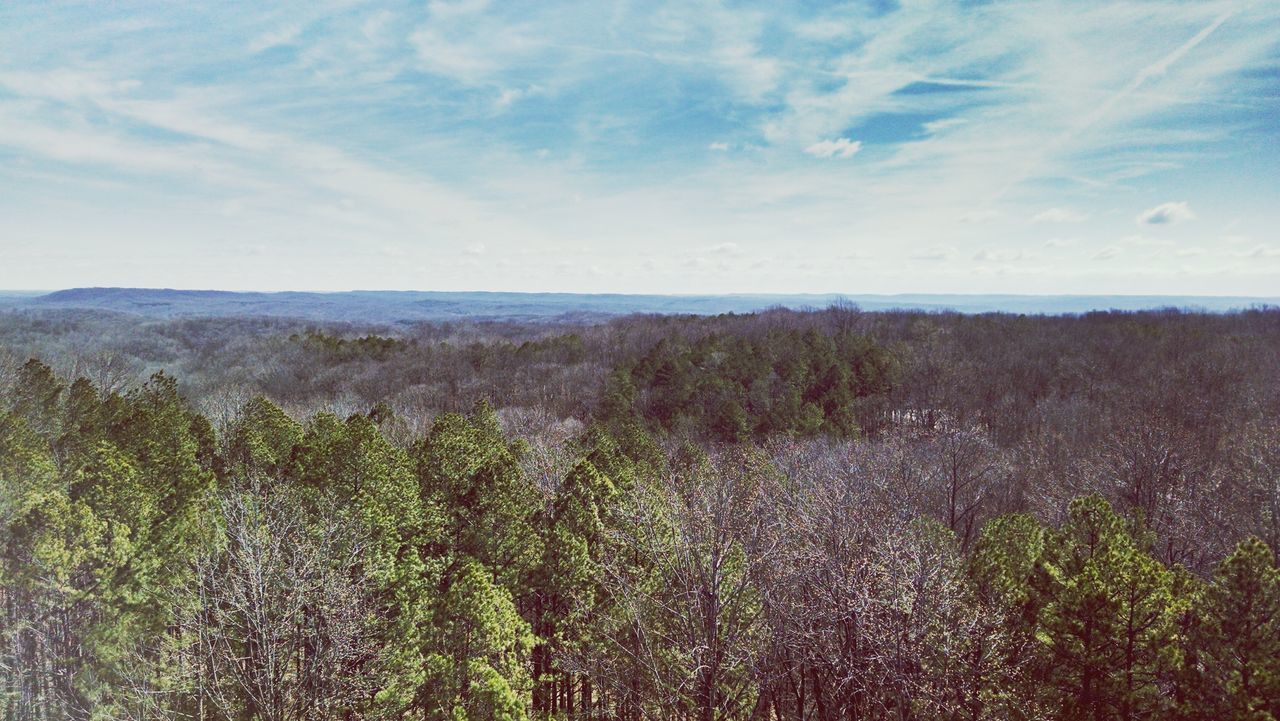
x=831 y=514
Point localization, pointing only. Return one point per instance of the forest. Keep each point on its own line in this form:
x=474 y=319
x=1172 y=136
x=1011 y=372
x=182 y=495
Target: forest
x=781 y=515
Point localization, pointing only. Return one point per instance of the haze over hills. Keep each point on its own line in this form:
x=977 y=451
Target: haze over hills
x=411 y=306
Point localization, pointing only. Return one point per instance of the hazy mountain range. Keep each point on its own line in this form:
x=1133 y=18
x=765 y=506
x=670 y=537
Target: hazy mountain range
x=410 y=306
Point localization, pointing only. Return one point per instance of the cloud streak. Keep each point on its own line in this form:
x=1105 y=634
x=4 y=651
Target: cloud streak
x=838 y=148
x=1059 y=215
x=1166 y=214
x=583 y=138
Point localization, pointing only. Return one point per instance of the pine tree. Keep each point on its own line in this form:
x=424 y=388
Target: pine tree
x=351 y=463
x=261 y=440
x=1107 y=620
x=488 y=551
x=1238 y=641
x=1011 y=578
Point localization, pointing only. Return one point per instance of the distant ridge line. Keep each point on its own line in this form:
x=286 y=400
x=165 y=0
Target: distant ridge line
x=393 y=306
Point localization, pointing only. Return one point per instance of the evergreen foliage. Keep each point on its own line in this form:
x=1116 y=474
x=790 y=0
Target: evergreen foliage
x=733 y=387
x=154 y=566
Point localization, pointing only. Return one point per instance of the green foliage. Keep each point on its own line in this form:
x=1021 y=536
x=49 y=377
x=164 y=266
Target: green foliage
x=733 y=387
x=262 y=440
x=151 y=567
x=467 y=466
x=478 y=649
x=1101 y=608
x=96 y=547
x=1237 y=640
x=35 y=397
x=338 y=349
x=568 y=349
x=1007 y=560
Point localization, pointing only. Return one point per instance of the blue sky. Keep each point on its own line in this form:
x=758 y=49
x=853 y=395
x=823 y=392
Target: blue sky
x=685 y=147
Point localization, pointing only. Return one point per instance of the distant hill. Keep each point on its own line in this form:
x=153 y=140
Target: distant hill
x=410 y=306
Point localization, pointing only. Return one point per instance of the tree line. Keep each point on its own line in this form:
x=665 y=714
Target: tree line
x=1026 y=379
x=734 y=387
x=159 y=563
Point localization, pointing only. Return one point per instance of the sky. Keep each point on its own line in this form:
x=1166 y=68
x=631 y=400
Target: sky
x=1055 y=146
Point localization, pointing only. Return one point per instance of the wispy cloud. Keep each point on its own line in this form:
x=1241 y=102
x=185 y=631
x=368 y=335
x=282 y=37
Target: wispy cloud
x=984 y=215
x=1059 y=215
x=935 y=253
x=726 y=248
x=1006 y=255
x=1166 y=214
x=275 y=38
x=311 y=130
x=838 y=148
x=1147 y=241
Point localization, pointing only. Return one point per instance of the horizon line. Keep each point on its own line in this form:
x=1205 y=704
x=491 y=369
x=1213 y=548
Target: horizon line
x=827 y=294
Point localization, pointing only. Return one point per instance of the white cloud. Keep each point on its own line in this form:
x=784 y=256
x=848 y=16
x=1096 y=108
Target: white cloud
x=1146 y=241
x=275 y=38
x=1106 y=253
x=1166 y=214
x=459 y=8
x=475 y=249
x=838 y=148
x=459 y=40
x=1059 y=215
x=509 y=96
x=430 y=163
x=443 y=56
x=64 y=85
x=934 y=127
x=95 y=147
x=935 y=253
x=375 y=24
x=824 y=30
x=990 y=255
x=980 y=216
x=748 y=72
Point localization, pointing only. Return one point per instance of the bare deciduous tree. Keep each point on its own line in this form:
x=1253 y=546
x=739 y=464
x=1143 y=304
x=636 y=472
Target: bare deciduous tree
x=279 y=611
